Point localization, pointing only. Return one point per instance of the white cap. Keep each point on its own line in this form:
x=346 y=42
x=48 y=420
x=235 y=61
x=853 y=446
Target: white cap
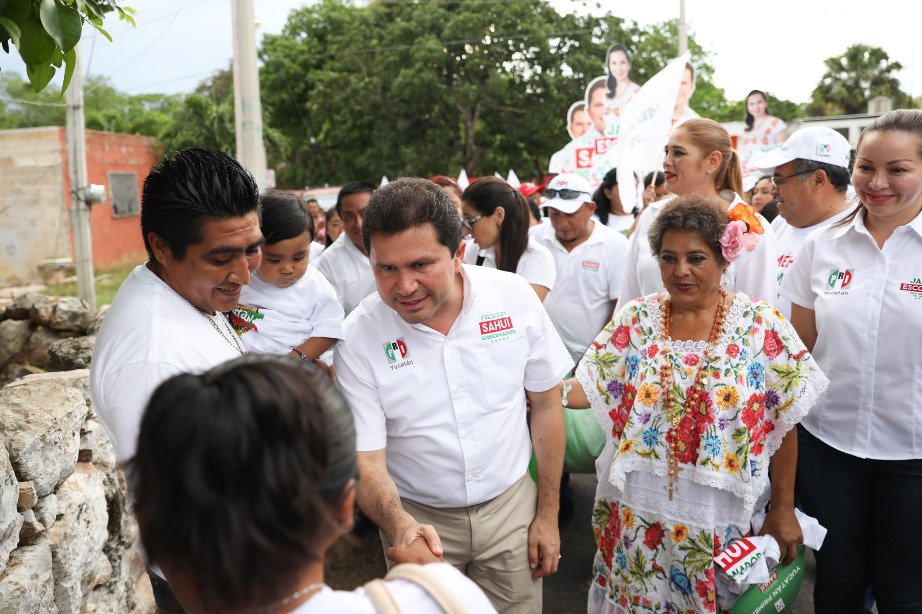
x=816 y=143
x=568 y=181
x=749 y=182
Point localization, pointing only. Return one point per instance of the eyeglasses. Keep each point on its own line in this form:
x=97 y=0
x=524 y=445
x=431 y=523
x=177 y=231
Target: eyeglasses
x=564 y=194
x=468 y=222
x=779 y=181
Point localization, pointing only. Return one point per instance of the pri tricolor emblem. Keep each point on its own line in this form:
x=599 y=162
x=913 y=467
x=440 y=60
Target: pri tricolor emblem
x=396 y=350
x=824 y=149
x=839 y=279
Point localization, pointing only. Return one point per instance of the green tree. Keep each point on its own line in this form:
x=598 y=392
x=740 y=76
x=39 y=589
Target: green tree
x=46 y=31
x=853 y=78
x=425 y=87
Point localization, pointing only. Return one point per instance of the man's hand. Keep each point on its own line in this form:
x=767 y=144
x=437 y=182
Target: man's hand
x=543 y=546
x=781 y=523
x=417 y=551
x=416 y=543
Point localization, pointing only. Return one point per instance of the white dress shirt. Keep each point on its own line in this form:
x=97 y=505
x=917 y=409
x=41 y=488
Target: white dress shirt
x=868 y=307
x=753 y=273
x=450 y=409
x=588 y=280
x=349 y=270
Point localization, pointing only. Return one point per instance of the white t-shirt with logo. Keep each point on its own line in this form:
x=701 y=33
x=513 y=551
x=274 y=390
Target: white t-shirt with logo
x=753 y=274
x=790 y=239
x=272 y=320
x=450 y=409
x=868 y=307
x=588 y=280
x=349 y=270
x=536 y=264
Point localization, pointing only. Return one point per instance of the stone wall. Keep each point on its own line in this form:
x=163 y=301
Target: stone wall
x=68 y=542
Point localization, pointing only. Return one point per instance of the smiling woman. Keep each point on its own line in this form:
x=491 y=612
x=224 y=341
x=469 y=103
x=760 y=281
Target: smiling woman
x=854 y=288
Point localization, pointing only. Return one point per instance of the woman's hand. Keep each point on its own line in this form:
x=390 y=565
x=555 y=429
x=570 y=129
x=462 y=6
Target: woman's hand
x=782 y=524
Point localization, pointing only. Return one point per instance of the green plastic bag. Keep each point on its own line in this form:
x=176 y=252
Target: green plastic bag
x=585 y=440
x=779 y=594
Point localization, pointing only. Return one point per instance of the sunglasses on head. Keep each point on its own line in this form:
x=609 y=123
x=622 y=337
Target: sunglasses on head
x=564 y=194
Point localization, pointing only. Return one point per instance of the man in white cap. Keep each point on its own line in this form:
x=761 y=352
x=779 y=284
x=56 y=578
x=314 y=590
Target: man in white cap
x=589 y=258
x=811 y=177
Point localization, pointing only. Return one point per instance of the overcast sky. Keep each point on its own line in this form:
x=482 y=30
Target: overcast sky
x=777 y=46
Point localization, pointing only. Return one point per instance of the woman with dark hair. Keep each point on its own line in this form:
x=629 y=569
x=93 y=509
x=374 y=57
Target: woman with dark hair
x=762 y=129
x=334 y=225
x=620 y=87
x=857 y=303
x=699 y=390
x=243 y=478
x=497 y=215
x=288 y=307
x=700 y=159
x=608 y=207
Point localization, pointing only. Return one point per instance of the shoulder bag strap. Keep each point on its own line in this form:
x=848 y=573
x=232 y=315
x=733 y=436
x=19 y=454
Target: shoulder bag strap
x=440 y=592
x=381 y=597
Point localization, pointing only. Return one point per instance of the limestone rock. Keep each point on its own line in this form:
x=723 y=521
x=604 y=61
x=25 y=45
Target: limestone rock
x=96 y=322
x=39 y=343
x=46 y=510
x=70 y=354
x=43 y=310
x=40 y=419
x=71 y=314
x=31 y=529
x=10 y=520
x=21 y=307
x=78 y=537
x=27 y=587
x=14 y=335
x=27 y=495
x=95 y=447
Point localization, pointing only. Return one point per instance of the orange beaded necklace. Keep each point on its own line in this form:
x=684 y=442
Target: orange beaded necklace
x=670 y=403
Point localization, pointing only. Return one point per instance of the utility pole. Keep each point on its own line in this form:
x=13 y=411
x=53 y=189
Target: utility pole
x=251 y=152
x=683 y=30
x=79 y=207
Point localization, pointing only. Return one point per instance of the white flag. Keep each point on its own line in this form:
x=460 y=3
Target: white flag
x=645 y=126
x=463 y=181
x=512 y=179
x=384 y=181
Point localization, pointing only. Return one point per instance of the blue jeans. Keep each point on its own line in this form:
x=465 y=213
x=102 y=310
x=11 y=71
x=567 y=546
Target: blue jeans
x=873 y=511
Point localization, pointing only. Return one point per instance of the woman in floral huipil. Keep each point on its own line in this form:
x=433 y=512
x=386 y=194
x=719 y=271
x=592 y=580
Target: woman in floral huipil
x=698 y=391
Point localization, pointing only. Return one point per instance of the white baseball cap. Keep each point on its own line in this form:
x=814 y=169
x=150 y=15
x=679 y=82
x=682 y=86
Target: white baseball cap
x=567 y=184
x=816 y=143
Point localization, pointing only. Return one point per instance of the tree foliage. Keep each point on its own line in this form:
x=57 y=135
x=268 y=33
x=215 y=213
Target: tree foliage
x=431 y=87
x=46 y=31
x=853 y=78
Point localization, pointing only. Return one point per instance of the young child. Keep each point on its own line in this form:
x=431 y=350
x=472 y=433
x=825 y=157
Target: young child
x=289 y=307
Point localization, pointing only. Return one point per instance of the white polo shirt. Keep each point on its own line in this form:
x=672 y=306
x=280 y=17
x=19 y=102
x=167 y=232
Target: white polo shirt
x=349 y=270
x=450 y=409
x=790 y=239
x=753 y=273
x=588 y=280
x=868 y=306
x=536 y=264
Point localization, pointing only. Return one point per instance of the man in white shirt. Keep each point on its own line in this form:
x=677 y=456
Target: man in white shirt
x=589 y=258
x=437 y=367
x=200 y=223
x=810 y=174
x=345 y=262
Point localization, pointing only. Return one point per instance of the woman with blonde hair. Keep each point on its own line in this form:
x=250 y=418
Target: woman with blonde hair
x=700 y=159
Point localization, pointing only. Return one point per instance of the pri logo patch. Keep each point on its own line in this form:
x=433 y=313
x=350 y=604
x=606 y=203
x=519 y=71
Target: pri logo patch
x=824 y=149
x=839 y=281
x=396 y=350
x=914 y=288
x=495 y=326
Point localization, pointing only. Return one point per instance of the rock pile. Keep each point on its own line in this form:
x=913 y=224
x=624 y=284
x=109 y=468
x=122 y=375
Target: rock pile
x=68 y=542
x=46 y=333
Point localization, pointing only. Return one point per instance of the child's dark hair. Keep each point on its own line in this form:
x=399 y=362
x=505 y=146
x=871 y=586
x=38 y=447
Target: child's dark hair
x=284 y=216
